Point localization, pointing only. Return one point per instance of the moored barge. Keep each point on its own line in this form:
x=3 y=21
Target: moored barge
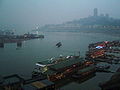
x=106 y=51
x=65 y=68
x=85 y=72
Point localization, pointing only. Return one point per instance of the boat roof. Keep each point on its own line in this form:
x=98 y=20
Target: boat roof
x=65 y=63
x=87 y=69
x=38 y=85
x=12 y=79
x=50 y=72
x=45 y=62
x=52 y=60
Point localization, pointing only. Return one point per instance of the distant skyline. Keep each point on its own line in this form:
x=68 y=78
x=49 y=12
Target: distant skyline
x=53 y=11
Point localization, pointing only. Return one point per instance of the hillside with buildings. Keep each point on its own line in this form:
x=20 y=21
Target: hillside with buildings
x=95 y=22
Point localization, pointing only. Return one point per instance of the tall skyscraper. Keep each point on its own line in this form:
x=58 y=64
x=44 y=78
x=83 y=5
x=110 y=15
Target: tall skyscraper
x=95 y=12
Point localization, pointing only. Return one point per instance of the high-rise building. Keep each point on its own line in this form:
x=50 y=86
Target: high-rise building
x=107 y=15
x=95 y=12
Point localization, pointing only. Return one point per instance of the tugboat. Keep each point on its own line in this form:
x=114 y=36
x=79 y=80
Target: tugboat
x=59 y=44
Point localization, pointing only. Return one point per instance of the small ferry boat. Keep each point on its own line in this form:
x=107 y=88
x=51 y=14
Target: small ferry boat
x=59 y=44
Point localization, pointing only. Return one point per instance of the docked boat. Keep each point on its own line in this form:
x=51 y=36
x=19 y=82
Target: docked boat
x=102 y=67
x=42 y=67
x=59 y=70
x=85 y=72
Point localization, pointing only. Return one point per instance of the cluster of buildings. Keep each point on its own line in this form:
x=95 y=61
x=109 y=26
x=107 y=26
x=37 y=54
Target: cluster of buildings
x=7 y=33
x=97 y=22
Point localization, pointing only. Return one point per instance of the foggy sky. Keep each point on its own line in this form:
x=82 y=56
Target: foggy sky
x=53 y=11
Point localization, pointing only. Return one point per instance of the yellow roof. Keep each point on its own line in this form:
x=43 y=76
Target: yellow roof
x=38 y=84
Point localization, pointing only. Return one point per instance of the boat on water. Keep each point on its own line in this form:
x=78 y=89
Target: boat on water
x=61 y=68
x=59 y=44
x=85 y=72
x=103 y=67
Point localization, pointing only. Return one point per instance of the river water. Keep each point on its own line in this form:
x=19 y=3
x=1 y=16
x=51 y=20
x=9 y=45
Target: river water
x=22 y=60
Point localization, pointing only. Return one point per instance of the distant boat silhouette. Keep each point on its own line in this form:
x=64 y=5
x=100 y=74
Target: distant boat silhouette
x=59 y=44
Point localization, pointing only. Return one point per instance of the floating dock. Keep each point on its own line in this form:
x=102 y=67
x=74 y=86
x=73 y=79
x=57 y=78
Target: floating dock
x=17 y=39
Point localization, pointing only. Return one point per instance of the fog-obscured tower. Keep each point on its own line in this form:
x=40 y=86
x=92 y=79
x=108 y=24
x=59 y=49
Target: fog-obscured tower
x=95 y=12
